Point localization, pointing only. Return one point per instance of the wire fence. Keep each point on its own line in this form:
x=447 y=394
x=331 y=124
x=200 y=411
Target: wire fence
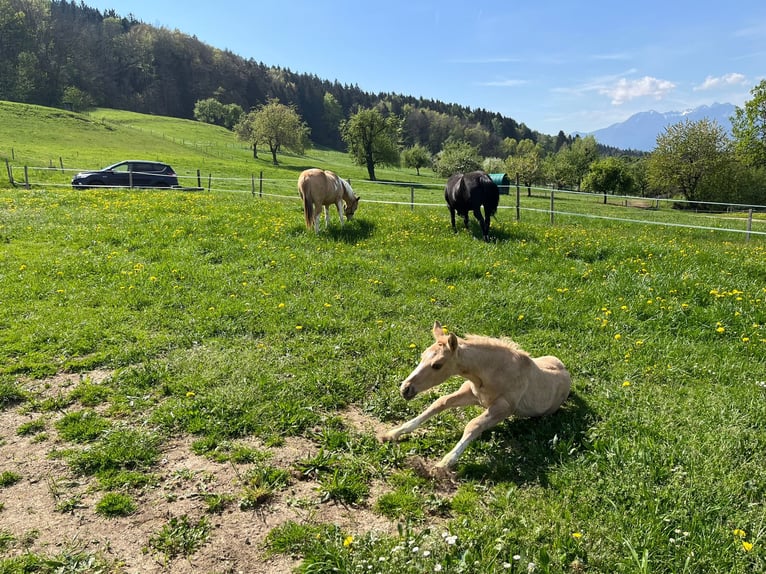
x=534 y=204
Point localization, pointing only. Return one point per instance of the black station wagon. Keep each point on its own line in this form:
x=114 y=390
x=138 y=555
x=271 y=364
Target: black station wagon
x=135 y=173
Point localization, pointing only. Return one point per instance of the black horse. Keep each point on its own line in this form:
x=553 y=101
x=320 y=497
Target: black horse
x=469 y=192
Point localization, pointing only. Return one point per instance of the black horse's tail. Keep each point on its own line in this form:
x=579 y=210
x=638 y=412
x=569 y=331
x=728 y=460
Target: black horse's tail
x=491 y=195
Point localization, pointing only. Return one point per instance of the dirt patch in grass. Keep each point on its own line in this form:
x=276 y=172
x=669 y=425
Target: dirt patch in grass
x=236 y=544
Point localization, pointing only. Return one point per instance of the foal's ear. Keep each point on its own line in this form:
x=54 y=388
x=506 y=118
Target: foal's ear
x=452 y=342
x=438 y=331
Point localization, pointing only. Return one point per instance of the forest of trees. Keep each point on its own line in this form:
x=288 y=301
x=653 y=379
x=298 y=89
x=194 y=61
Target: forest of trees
x=59 y=53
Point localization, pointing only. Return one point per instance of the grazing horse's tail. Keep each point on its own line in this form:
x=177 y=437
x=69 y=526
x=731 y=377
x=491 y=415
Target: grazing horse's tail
x=308 y=203
x=491 y=195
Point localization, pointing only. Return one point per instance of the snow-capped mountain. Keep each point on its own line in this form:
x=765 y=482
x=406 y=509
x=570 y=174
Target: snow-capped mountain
x=640 y=131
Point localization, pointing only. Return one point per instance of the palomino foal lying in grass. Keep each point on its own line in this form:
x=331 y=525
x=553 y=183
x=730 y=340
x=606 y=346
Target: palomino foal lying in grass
x=499 y=376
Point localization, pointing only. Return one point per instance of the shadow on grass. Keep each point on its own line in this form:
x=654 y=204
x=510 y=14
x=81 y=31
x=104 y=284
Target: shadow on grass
x=498 y=233
x=524 y=450
x=351 y=232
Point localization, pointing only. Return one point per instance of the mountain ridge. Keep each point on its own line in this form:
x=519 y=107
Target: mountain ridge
x=639 y=132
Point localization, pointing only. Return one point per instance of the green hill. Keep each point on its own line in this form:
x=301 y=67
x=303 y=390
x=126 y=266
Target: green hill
x=41 y=137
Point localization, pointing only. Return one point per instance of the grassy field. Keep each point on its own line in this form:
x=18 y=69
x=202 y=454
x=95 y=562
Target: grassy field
x=218 y=317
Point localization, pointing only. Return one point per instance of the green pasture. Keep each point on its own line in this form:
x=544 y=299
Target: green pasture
x=220 y=317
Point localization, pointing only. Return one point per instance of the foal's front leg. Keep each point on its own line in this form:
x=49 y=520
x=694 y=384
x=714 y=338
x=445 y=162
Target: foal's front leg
x=339 y=205
x=462 y=397
x=498 y=411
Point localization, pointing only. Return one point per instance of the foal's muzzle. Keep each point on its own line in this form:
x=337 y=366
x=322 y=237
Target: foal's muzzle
x=407 y=390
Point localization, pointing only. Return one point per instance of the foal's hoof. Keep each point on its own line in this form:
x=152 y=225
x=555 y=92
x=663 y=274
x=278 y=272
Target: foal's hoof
x=387 y=436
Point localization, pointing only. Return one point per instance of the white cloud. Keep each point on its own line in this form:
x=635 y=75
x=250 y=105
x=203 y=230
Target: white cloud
x=625 y=90
x=721 y=81
x=504 y=83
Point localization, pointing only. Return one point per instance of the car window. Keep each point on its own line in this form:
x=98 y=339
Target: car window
x=121 y=168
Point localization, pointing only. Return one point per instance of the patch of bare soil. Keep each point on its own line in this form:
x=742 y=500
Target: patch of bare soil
x=237 y=538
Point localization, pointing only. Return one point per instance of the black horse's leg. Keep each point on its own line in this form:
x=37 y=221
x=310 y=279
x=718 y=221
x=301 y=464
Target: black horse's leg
x=452 y=217
x=482 y=224
x=465 y=220
x=485 y=227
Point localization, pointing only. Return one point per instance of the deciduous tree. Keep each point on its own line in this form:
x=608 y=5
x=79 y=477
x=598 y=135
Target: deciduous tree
x=416 y=156
x=748 y=127
x=277 y=126
x=686 y=153
x=457 y=156
x=372 y=139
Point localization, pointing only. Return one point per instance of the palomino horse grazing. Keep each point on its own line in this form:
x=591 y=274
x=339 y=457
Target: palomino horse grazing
x=322 y=188
x=499 y=376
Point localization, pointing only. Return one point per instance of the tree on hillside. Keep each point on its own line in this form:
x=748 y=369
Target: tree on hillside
x=211 y=111
x=578 y=157
x=332 y=115
x=457 y=156
x=609 y=175
x=244 y=131
x=277 y=126
x=685 y=154
x=416 y=156
x=748 y=127
x=526 y=162
x=372 y=139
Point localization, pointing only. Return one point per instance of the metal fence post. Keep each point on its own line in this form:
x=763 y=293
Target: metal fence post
x=552 y=192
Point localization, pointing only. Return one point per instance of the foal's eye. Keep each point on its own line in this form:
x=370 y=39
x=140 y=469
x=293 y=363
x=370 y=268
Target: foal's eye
x=436 y=366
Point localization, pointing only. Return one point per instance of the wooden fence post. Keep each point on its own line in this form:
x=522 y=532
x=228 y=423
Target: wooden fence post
x=199 y=180
x=9 y=169
x=61 y=163
x=26 y=178
x=252 y=184
x=749 y=224
x=412 y=198
x=260 y=184
x=209 y=180
x=518 y=198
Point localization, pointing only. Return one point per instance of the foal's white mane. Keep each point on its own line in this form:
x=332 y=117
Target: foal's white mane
x=492 y=342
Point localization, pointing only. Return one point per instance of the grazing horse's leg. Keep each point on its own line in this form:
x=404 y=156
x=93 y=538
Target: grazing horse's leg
x=452 y=217
x=497 y=411
x=326 y=216
x=339 y=205
x=479 y=218
x=462 y=397
x=317 y=216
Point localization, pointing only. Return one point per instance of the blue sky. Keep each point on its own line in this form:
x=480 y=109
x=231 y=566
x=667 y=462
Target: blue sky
x=553 y=65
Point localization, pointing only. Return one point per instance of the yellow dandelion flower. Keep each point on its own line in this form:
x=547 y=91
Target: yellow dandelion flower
x=577 y=535
x=626 y=383
x=617 y=337
x=299 y=327
x=412 y=345
x=747 y=546
x=739 y=533
x=745 y=339
x=281 y=306
x=720 y=329
x=190 y=394
x=520 y=318
x=348 y=541
x=327 y=305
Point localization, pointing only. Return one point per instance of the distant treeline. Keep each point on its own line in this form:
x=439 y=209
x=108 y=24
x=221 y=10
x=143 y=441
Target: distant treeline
x=59 y=53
